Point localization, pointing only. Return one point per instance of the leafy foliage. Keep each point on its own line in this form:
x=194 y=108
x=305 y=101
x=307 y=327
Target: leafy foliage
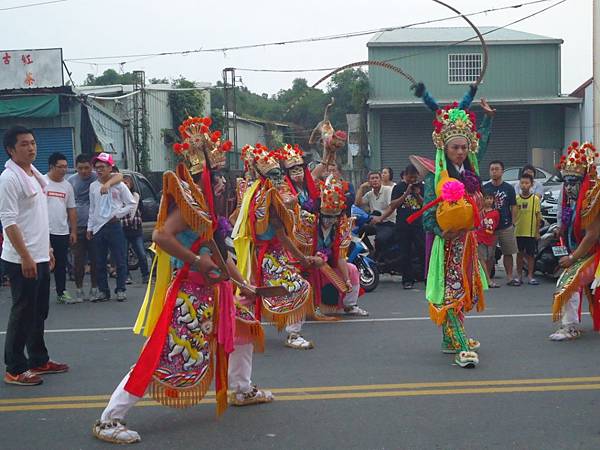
x=186 y=102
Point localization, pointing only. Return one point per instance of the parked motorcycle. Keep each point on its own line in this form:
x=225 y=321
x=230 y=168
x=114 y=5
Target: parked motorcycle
x=359 y=252
x=546 y=262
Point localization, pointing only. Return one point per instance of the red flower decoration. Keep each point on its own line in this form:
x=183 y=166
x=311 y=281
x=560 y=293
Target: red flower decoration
x=177 y=148
x=227 y=146
x=207 y=121
x=204 y=129
x=185 y=145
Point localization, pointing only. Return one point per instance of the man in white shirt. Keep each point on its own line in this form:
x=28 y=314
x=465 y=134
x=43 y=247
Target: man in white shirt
x=104 y=226
x=62 y=218
x=377 y=200
x=28 y=259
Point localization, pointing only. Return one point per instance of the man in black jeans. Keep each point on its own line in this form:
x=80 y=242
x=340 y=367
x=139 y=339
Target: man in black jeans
x=28 y=259
x=407 y=198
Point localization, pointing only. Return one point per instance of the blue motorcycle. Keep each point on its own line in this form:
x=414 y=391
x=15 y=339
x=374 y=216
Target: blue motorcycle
x=358 y=253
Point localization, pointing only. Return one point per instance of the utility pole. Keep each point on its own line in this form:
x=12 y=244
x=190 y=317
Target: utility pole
x=230 y=112
x=596 y=71
x=140 y=122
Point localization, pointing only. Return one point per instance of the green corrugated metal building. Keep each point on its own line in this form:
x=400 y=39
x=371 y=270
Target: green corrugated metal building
x=522 y=82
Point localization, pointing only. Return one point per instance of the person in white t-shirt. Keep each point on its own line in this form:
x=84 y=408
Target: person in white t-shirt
x=62 y=219
x=104 y=226
x=377 y=200
x=27 y=259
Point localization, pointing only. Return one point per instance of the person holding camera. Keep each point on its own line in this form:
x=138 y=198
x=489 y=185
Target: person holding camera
x=407 y=198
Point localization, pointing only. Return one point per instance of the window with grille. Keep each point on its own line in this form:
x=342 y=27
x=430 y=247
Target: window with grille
x=464 y=68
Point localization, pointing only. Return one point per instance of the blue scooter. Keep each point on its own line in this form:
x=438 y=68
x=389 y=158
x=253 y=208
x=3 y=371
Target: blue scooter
x=358 y=253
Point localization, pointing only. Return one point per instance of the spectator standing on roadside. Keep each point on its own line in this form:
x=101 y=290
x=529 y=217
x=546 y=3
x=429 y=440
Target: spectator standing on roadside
x=27 y=258
x=486 y=240
x=134 y=236
x=506 y=203
x=83 y=250
x=104 y=226
x=537 y=188
x=527 y=228
x=407 y=198
x=387 y=177
x=62 y=218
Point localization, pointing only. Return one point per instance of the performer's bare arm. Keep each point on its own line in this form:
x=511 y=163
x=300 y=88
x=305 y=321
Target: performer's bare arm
x=166 y=239
x=592 y=234
x=305 y=261
x=235 y=274
x=343 y=265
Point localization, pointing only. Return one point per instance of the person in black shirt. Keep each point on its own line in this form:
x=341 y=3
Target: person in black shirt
x=407 y=198
x=505 y=202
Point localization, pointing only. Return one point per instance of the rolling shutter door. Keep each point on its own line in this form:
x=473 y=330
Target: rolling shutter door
x=509 y=140
x=408 y=133
x=49 y=140
x=404 y=134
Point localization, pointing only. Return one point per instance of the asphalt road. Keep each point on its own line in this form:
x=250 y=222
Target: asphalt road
x=374 y=383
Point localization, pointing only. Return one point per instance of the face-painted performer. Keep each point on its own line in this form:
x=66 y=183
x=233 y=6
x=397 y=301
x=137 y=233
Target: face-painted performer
x=298 y=178
x=579 y=231
x=193 y=321
x=263 y=240
x=327 y=236
x=452 y=192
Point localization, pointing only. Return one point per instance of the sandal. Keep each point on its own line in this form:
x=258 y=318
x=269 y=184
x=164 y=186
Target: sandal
x=533 y=282
x=515 y=282
x=493 y=285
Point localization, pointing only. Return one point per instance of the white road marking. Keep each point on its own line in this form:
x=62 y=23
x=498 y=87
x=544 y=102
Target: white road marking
x=383 y=319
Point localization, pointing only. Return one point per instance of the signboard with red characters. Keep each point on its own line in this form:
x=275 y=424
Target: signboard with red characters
x=30 y=69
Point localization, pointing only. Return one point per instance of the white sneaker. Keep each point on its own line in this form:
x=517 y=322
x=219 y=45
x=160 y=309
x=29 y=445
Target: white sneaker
x=565 y=333
x=94 y=293
x=115 y=431
x=121 y=296
x=355 y=311
x=253 y=397
x=80 y=295
x=297 y=342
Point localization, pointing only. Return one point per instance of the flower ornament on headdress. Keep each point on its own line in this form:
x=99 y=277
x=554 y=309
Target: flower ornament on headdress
x=200 y=144
x=452 y=121
x=292 y=156
x=260 y=158
x=579 y=160
x=333 y=199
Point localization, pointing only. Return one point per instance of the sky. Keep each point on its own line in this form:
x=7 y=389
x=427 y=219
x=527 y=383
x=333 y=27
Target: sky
x=92 y=28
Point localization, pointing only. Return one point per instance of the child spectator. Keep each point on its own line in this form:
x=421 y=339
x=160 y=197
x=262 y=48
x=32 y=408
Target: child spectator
x=486 y=239
x=527 y=228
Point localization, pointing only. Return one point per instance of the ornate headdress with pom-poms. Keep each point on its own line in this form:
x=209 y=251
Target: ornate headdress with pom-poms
x=200 y=144
x=260 y=158
x=452 y=121
x=333 y=199
x=579 y=160
x=292 y=156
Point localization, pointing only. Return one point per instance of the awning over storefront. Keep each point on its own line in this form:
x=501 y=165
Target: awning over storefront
x=28 y=107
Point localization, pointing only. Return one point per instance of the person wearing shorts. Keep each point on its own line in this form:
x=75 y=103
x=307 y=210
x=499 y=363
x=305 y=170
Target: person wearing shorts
x=505 y=203
x=527 y=228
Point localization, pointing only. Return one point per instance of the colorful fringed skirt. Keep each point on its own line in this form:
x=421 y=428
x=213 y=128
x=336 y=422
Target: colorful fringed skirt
x=277 y=270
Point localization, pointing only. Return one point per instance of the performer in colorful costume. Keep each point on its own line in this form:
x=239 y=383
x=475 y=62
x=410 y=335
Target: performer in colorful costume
x=455 y=280
x=580 y=230
x=263 y=240
x=326 y=236
x=298 y=178
x=192 y=319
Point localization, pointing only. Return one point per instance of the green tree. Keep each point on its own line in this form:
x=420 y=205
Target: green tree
x=187 y=102
x=110 y=76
